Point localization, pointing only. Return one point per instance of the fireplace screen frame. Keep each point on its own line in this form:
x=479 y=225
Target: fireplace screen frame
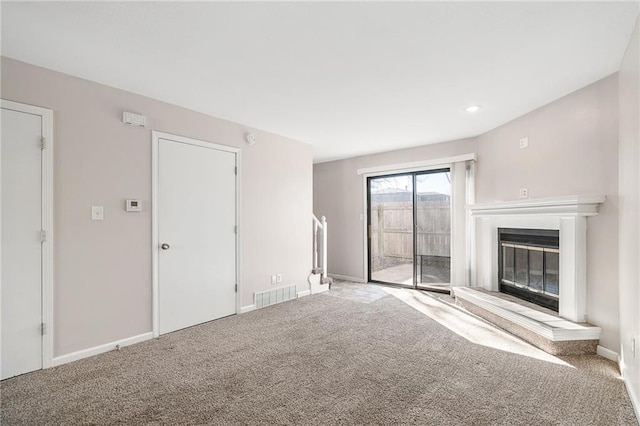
x=533 y=240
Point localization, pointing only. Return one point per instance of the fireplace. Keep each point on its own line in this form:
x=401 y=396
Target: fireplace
x=567 y=215
x=529 y=265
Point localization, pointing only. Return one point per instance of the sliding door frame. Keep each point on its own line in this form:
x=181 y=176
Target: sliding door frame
x=448 y=169
x=414 y=220
x=405 y=168
x=367 y=210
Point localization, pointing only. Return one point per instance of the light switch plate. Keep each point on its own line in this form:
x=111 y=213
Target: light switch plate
x=524 y=142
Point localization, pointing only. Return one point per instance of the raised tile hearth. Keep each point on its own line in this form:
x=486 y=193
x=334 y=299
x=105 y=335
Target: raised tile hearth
x=541 y=327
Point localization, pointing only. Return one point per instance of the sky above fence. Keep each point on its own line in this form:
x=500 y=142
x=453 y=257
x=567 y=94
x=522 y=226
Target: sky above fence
x=425 y=183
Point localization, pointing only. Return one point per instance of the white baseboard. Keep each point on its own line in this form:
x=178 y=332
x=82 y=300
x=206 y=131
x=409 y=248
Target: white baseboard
x=607 y=353
x=96 y=350
x=632 y=395
x=304 y=293
x=320 y=288
x=248 y=308
x=347 y=278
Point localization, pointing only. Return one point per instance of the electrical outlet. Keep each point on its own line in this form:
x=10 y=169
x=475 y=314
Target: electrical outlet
x=524 y=142
x=279 y=278
x=524 y=192
x=273 y=279
x=97 y=213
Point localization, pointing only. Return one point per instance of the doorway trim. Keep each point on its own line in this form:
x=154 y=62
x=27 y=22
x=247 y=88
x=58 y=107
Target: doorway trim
x=416 y=166
x=47 y=222
x=155 y=250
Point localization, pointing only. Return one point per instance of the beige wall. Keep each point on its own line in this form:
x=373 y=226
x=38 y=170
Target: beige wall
x=102 y=284
x=338 y=195
x=629 y=213
x=572 y=150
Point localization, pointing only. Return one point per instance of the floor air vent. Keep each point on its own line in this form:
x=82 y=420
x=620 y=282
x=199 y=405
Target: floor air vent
x=277 y=295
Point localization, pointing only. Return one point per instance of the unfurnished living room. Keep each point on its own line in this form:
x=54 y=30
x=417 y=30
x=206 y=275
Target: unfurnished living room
x=302 y=213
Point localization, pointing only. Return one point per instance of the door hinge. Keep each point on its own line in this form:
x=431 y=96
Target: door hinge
x=43 y=236
x=43 y=328
x=369 y=231
x=235 y=229
x=42 y=143
x=236 y=288
x=235 y=170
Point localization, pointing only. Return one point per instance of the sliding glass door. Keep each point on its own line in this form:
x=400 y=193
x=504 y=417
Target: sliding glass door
x=409 y=229
x=433 y=229
x=391 y=229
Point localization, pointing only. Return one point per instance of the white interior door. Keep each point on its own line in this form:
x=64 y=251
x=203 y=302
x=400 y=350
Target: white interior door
x=21 y=242
x=196 y=202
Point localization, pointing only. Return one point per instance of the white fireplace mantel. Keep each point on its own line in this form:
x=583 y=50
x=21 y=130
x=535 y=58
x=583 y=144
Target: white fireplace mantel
x=564 y=206
x=566 y=214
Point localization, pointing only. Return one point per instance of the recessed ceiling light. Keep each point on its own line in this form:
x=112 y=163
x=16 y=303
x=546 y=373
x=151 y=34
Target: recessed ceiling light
x=472 y=108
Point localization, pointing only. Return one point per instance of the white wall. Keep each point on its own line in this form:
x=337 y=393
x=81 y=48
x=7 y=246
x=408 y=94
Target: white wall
x=573 y=145
x=629 y=216
x=102 y=287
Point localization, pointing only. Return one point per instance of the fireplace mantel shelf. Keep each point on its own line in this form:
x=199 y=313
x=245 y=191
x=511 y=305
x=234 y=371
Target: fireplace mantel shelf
x=576 y=205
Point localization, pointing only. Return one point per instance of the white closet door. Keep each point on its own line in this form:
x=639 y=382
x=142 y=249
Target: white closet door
x=21 y=245
x=196 y=227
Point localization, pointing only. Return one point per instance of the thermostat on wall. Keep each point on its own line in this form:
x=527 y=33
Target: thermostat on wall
x=134 y=205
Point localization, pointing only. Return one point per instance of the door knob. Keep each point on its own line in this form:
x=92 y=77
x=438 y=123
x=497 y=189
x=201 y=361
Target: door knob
x=164 y=246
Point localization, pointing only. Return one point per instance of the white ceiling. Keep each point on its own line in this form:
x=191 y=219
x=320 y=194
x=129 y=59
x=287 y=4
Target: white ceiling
x=349 y=78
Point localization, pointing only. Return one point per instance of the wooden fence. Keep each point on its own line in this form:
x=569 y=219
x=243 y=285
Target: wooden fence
x=391 y=231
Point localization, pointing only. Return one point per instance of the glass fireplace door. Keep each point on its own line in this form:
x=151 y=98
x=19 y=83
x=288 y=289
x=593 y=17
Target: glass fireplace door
x=529 y=263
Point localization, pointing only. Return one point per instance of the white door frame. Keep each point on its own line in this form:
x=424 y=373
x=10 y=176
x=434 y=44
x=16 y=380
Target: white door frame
x=155 y=249
x=47 y=223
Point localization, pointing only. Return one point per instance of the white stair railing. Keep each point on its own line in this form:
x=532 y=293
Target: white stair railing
x=320 y=265
x=316 y=225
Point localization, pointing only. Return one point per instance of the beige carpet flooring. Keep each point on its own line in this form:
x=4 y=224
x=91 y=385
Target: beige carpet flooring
x=357 y=355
